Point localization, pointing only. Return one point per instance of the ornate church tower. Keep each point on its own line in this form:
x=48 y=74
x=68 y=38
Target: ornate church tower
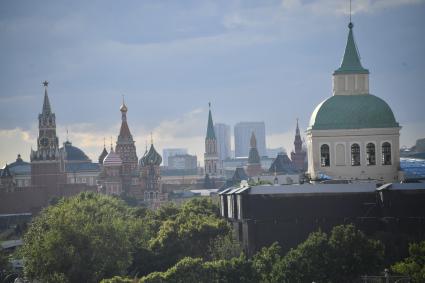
x=254 y=164
x=125 y=148
x=298 y=157
x=212 y=167
x=47 y=160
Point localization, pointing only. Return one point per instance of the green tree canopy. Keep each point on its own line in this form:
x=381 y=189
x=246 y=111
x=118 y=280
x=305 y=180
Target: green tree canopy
x=81 y=239
x=342 y=257
x=414 y=265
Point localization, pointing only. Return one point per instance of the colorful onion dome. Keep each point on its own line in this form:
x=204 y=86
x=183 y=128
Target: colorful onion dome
x=151 y=158
x=112 y=159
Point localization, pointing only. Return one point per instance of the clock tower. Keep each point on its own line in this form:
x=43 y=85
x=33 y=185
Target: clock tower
x=47 y=160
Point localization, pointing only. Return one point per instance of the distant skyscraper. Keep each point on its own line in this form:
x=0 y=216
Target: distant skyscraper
x=222 y=132
x=243 y=132
x=168 y=152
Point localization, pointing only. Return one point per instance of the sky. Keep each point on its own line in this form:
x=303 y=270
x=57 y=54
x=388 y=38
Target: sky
x=268 y=61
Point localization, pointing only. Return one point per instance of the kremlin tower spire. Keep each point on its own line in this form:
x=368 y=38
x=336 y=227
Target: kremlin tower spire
x=254 y=164
x=298 y=156
x=211 y=154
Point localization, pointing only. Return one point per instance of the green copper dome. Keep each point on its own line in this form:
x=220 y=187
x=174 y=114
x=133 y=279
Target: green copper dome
x=352 y=112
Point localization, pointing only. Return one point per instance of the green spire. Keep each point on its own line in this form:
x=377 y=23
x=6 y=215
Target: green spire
x=210 y=128
x=46 y=103
x=351 y=61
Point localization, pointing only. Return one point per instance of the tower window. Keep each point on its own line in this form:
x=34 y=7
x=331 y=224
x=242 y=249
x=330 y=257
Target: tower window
x=325 y=156
x=386 y=153
x=355 y=155
x=370 y=154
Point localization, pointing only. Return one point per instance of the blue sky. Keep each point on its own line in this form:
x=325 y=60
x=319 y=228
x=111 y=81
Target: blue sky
x=265 y=61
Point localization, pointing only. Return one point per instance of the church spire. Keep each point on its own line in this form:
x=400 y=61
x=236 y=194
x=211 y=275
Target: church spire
x=46 y=103
x=210 y=127
x=253 y=141
x=298 y=142
x=351 y=61
x=124 y=130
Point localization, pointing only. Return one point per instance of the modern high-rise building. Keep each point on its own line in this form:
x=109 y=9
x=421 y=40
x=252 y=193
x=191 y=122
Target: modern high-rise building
x=168 y=152
x=243 y=132
x=222 y=132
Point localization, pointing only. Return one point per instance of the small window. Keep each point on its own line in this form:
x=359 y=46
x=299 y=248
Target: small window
x=355 y=155
x=324 y=156
x=386 y=153
x=370 y=154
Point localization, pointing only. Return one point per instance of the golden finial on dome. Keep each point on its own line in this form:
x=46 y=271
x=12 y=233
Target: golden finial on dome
x=123 y=107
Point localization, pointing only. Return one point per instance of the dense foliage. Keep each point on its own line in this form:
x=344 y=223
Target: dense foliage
x=91 y=237
x=81 y=239
x=343 y=256
x=414 y=265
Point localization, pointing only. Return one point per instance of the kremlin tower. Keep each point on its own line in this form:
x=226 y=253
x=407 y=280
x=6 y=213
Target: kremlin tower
x=47 y=166
x=254 y=165
x=298 y=156
x=212 y=167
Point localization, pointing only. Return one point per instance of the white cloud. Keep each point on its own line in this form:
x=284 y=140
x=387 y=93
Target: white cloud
x=13 y=142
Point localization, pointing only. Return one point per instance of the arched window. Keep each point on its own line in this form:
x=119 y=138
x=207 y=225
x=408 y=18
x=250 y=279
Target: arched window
x=355 y=155
x=386 y=153
x=325 y=159
x=370 y=154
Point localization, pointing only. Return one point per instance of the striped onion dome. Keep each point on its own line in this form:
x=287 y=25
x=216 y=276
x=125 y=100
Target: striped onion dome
x=112 y=159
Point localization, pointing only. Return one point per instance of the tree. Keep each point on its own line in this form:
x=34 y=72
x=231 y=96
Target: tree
x=188 y=233
x=353 y=253
x=81 y=239
x=342 y=257
x=414 y=265
x=224 y=247
x=265 y=261
x=308 y=262
x=194 y=270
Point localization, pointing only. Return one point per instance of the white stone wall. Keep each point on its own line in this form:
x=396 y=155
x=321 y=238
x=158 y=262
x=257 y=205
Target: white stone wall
x=340 y=142
x=350 y=84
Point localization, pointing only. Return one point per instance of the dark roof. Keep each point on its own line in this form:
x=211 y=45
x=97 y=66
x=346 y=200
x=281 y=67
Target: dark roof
x=20 y=166
x=239 y=175
x=5 y=173
x=103 y=155
x=81 y=167
x=282 y=164
x=74 y=153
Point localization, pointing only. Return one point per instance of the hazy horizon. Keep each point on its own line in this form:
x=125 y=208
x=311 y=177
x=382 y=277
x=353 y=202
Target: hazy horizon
x=253 y=61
